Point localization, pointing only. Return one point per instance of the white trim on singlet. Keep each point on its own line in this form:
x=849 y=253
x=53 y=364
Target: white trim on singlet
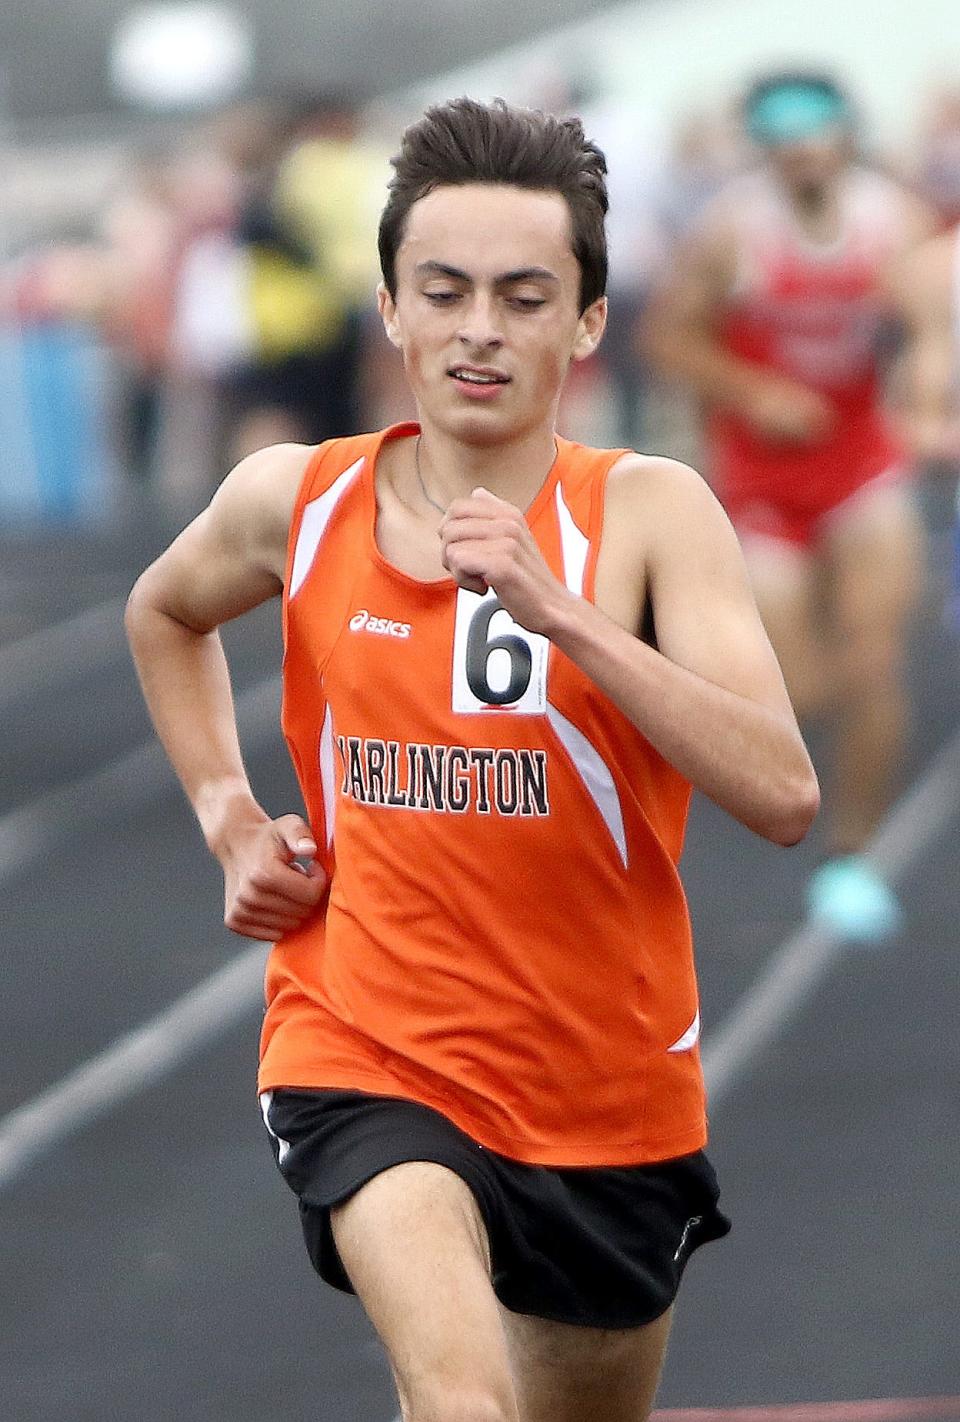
x=574 y=546
x=590 y=766
x=690 y=1037
x=313 y=525
x=595 y=774
x=327 y=774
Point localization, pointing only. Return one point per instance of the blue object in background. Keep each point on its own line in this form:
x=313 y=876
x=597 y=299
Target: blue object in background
x=54 y=457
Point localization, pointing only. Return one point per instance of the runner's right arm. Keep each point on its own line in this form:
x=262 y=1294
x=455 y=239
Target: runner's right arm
x=679 y=335
x=229 y=560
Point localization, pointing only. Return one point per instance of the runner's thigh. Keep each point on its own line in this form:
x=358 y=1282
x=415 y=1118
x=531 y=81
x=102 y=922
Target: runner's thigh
x=565 y=1373
x=415 y=1247
x=875 y=544
x=785 y=580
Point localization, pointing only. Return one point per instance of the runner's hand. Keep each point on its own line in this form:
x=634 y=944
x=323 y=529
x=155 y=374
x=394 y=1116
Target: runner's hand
x=485 y=543
x=266 y=892
x=786 y=412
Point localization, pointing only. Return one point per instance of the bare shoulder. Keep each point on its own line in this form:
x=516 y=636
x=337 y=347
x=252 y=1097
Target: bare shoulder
x=253 y=507
x=667 y=544
x=918 y=219
x=888 y=203
x=649 y=491
x=665 y=514
x=233 y=555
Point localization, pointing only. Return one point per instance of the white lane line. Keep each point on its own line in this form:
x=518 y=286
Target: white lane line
x=167 y=1041
x=871 y=1409
x=83 y=643
x=133 y=1063
x=797 y=968
x=120 y=788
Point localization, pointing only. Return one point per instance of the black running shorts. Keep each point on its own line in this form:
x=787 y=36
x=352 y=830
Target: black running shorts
x=602 y=1247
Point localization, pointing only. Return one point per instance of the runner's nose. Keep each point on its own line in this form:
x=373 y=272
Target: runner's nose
x=480 y=327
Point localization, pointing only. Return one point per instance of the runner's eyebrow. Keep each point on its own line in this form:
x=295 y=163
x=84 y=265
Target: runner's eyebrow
x=526 y=274
x=440 y=269
x=504 y=279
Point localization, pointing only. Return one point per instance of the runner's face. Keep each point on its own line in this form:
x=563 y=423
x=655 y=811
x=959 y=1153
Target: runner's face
x=813 y=163
x=486 y=313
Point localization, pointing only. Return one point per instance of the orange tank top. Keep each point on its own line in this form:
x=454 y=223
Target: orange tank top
x=506 y=937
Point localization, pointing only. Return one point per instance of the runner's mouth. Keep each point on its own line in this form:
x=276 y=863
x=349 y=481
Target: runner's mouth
x=467 y=375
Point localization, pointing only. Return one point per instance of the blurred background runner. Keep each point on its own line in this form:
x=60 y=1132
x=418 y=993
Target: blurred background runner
x=774 y=314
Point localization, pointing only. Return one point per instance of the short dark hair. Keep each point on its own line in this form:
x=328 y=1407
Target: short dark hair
x=464 y=141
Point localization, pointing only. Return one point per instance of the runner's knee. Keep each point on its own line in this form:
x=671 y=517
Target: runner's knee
x=437 y=1403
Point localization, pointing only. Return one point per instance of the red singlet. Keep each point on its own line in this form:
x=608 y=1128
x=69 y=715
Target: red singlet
x=813 y=313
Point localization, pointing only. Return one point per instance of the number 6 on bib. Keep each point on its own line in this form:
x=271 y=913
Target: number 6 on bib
x=497 y=664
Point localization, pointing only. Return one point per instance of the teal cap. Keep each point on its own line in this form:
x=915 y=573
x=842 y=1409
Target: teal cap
x=793 y=111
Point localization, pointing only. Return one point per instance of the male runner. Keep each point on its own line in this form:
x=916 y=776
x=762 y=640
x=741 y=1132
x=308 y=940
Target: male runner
x=773 y=314
x=508 y=657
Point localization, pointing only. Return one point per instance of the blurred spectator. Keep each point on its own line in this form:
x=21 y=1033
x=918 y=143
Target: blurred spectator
x=636 y=244
x=773 y=313
x=615 y=380
x=140 y=232
x=157 y=281
x=54 y=464
x=211 y=328
x=220 y=174
x=707 y=150
x=309 y=229
x=652 y=204
x=233 y=277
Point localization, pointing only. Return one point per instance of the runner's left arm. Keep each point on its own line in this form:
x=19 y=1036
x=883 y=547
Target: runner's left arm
x=709 y=695
x=925 y=389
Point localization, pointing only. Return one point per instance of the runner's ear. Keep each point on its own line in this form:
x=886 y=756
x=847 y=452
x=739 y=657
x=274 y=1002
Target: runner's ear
x=388 y=315
x=590 y=329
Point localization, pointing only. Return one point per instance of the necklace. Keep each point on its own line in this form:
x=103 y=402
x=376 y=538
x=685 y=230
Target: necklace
x=423 y=488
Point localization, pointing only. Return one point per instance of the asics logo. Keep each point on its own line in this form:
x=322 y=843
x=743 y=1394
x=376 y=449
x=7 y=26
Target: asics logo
x=362 y=622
